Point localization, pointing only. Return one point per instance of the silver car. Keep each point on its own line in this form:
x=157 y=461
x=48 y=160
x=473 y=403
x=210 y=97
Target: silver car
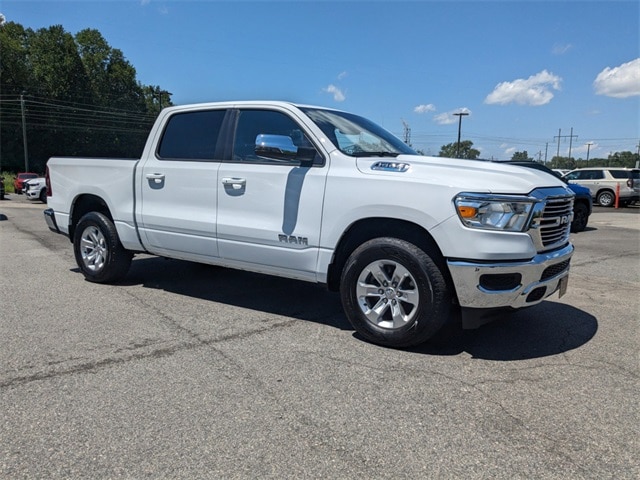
x=605 y=182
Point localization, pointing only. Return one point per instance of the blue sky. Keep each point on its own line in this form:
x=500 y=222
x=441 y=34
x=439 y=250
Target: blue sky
x=523 y=70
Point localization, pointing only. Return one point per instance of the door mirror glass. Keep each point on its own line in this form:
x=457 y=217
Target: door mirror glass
x=281 y=147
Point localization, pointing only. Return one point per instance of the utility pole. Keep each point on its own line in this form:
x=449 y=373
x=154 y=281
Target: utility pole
x=160 y=93
x=546 y=150
x=407 y=133
x=459 y=115
x=588 y=148
x=571 y=137
x=571 y=141
x=24 y=134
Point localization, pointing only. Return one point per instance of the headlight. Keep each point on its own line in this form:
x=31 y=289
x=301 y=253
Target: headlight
x=489 y=212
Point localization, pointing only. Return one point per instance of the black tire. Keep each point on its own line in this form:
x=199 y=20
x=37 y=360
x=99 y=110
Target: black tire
x=393 y=293
x=43 y=195
x=606 y=198
x=98 y=251
x=580 y=217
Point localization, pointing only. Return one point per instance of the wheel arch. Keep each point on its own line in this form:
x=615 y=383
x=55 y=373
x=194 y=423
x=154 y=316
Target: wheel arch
x=377 y=227
x=605 y=189
x=84 y=204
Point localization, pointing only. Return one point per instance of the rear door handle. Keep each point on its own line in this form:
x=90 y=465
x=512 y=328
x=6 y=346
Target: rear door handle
x=156 y=177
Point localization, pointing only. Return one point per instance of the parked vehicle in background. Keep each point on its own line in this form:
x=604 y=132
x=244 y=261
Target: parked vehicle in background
x=560 y=171
x=1 y=188
x=603 y=181
x=582 y=203
x=18 y=183
x=36 y=189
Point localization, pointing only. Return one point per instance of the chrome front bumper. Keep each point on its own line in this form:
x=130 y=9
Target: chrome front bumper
x=511 y=284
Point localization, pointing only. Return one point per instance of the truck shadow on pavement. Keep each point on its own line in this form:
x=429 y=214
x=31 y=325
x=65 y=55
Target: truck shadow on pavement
x=264 y=293
x=550 y=328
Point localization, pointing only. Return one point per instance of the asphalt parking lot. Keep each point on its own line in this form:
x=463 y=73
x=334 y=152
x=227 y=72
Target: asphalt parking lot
x=192 y=371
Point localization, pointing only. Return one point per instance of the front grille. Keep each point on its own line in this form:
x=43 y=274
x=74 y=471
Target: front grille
x=552 y=218
x=554 y=270
x=556 y=221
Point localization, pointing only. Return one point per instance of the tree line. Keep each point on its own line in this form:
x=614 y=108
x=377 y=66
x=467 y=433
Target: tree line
x=69 y=95
x=617 y=159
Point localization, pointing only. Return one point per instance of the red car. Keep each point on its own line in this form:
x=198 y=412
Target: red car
x=18 y=182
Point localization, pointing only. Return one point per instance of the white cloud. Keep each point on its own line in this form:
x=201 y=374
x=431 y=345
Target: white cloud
x=561 y=49
x=425 y=108
x=534 y=91
x=145 y=2
x=448 y=118
x=619 y=82
x=342 y=75
x=583 y=148
x=338 y=94
x=508 y=152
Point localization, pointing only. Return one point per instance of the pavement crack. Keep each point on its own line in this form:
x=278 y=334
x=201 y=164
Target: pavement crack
x=131 y=353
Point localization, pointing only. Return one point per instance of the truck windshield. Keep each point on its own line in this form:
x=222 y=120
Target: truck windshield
x=356 y=136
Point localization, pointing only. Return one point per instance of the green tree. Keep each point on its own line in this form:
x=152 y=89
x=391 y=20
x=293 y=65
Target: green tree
x=15 y=74
x=521 y=156
x=81 y=97
x=564 y=163
x=466 y=150
x=622 y=159
x=57 y=68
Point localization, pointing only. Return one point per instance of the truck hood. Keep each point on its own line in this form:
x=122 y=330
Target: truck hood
x=465 y=175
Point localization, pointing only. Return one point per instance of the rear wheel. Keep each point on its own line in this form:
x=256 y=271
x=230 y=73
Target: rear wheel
x=606 y=198
x=98 y=250
x=393 y=293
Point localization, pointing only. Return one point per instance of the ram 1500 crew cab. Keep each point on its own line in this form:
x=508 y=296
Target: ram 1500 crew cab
x=323 y=196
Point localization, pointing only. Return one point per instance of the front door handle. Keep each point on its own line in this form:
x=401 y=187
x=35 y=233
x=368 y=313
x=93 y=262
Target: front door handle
x=234 y=182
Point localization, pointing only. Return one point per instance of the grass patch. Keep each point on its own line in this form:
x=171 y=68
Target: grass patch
x=7 y=179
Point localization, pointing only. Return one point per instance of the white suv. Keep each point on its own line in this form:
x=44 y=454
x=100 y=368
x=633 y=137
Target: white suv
x=603 y=181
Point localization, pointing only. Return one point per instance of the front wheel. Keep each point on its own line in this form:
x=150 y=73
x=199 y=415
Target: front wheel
x=393 y=293
x=98 y=250
x=580 y=217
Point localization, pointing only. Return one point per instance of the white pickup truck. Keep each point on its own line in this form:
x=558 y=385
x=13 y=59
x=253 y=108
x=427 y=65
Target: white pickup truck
x=323 y=196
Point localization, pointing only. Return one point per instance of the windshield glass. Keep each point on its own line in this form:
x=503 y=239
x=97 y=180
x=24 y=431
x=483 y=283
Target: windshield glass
x=356 y=136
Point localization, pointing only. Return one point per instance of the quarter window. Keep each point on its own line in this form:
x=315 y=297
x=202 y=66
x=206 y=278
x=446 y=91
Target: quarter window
x=625 y=174
x=191 y=135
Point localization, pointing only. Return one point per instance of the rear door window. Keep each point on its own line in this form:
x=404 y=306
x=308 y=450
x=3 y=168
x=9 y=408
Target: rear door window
x=191 y=136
